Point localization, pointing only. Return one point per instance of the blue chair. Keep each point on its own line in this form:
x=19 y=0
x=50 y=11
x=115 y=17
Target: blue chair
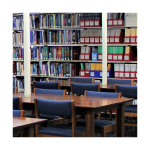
x=64 y=108
x=101 y=126
x=49 y=91
x=120 y=81
x=18 y=113
x=46 y=85
x=131 y=110
x=17 y=103
x=81 y=80
x=79 y=88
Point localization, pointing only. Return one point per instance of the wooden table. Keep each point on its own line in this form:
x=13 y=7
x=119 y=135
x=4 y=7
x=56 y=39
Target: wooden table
x=90 y=106
x=25 y=125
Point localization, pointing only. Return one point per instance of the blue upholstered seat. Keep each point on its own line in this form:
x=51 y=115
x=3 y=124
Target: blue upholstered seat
x=119 y=81
x=46 y=85
x=98 y=123
x=61 y=130
x=58 y=108
x=101 y=94
x=16 y=103
x=79 y=88
x=49 y=91
x=131 y=108
x=16 y=113
x=81 y=80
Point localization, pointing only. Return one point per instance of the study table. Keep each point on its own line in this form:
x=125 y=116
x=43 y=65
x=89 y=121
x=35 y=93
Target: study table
x=25 y=125
x=87 y=105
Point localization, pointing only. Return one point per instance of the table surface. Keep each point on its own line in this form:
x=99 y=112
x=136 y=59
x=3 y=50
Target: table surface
x=80 y=101
x=24 y=122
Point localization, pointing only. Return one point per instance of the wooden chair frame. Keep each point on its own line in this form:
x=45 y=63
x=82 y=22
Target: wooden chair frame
x=73 y=118
x=16 y=90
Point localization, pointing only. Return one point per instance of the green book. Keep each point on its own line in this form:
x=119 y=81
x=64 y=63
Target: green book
x=82 y=66
x=120 y=50
x=110 y=50
x=116 y=50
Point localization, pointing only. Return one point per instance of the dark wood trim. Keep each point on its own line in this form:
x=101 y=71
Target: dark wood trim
x=73 y=118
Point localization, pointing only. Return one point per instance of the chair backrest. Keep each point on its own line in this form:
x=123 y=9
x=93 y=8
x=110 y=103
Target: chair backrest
x=57 y=107
x=82 y=80
x=19 y=113
x=46 y=85
x=102 y=94
x=127 y=91
x=120 y=81
x=17 y=103
x=49 y=91
x=79 y=88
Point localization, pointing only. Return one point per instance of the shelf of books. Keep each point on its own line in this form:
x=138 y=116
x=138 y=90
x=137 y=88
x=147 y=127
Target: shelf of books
x=70 y=44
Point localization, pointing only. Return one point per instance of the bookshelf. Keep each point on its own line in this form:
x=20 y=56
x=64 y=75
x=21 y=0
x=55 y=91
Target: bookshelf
x=48 y=31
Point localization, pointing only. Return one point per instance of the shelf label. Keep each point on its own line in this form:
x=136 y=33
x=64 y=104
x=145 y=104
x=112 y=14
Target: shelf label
x=97 y=40
x=114 y=57
x=116 y=39
x=109 y=57
x=101 y=73
x=126 y=74
x=111 y=39
x=110 y=22
x=86 y=40
x=82 y=40
x=87 y=23
x=81 y=24
x=99 y=56
x=86 y=56
x=96 y=23
x=82 y=73
x=126 y=57
x=120 y=22
x=114 y=22
x=116 y=74
x=108 y=39
x=91 y=23
x=121 y=74
x=133 y=40
x=93 y=56
x=92 y=74
x=126 y=39
x=91 y=40
x=119 y=57
x=133 y=75
x=87 y=72
x=107 y=74
x=81 y=56
x=101 y=40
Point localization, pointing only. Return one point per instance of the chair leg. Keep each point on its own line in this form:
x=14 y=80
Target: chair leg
x=103 y=132
x=110 y=116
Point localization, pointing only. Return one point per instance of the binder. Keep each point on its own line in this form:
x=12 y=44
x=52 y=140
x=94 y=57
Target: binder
x=96 y=36
x=121 y=71
x=108 y=36
x=91 y=36
x=82 y=36
x=87 y=38
x=91 y=20
x=100 y=36
x=82 y=20
x=118 y=36
x=87 y=21
x=133 y=71
x=133 y=36
x=82 y=54
x=112 y=36
x=129 y=55
x=99 y=53
x=109 y=53
x=87 y=55
x=127 y=71
x=97 y=20
x=127 y=36
x=120 y=53
x=94 y=53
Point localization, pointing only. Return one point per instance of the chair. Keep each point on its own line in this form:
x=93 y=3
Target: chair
x=120 y=81
x=49 y=91
x=65 y=108
x=131 y=110
x=79 y=88
x=101 y=126
x=46 y=85
x=81 y=80
x=17 y=103
x=19 y=113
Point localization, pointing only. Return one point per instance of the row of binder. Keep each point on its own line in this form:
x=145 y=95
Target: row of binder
x=125 y=71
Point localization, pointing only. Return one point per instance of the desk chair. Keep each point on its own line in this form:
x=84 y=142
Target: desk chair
x=81 y=80
x=46 y=85
x=120 y=81
x=79 y=88
x=101 y=126
x=131 y=110
x=59 y=108
x=49 y=91
x=52 y=119
x=17 y=103
x=19 y=113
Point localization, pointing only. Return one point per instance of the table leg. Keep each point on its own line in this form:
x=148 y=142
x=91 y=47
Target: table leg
x=120 y=121
x=29 y=131
x=90 y=125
